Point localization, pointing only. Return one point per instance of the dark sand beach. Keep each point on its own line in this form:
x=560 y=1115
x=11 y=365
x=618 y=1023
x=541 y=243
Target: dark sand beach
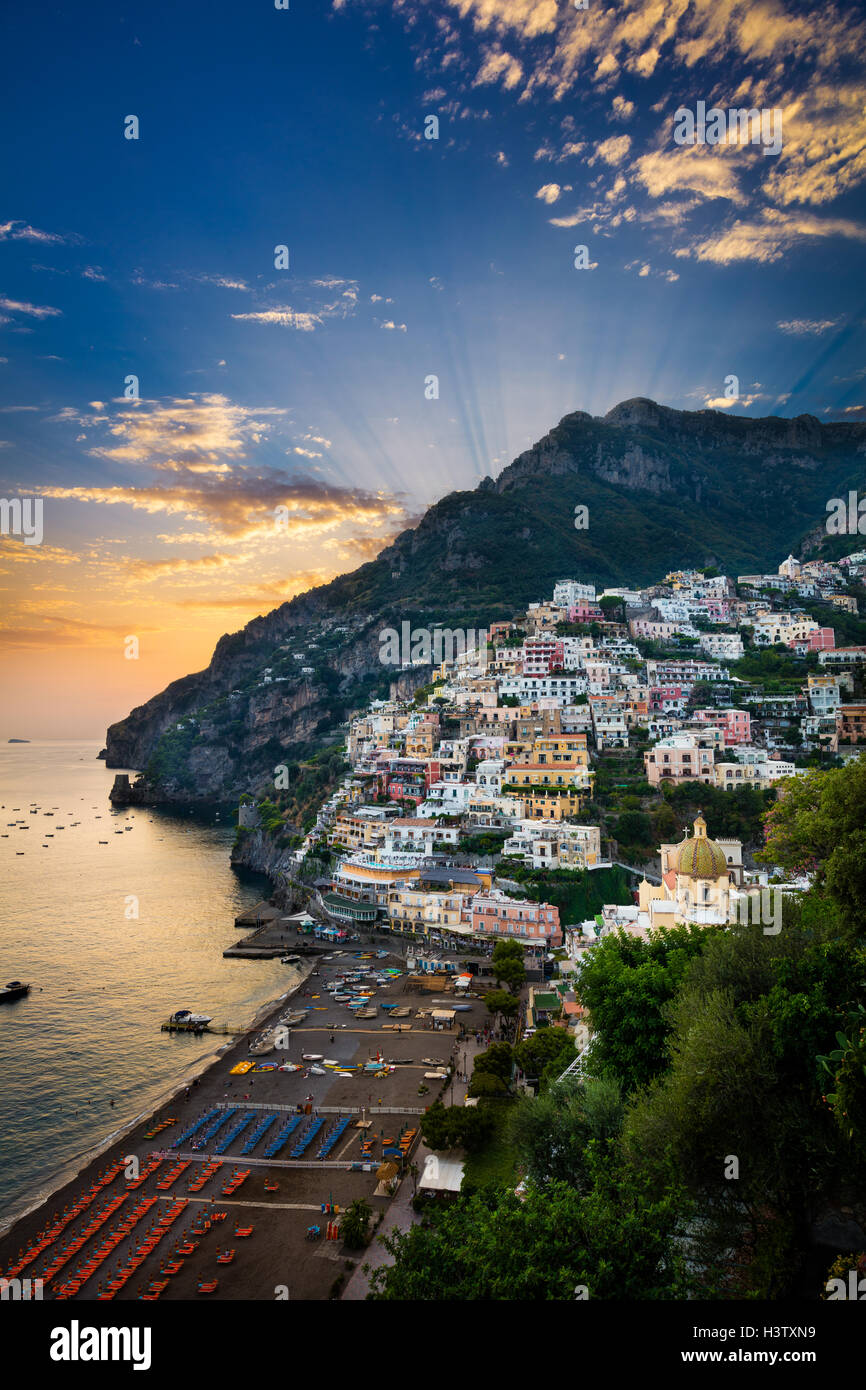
x=276 y=1259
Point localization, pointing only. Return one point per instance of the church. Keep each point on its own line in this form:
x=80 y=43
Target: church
x=701 y=883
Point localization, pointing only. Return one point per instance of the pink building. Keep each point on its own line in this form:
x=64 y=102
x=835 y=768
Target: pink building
x=585 y=612
x=503 y=916
x=664 y=698
x=679 y=758
x=735 y=724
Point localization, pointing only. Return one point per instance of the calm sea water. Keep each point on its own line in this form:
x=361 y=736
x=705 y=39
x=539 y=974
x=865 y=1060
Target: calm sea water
x=106 y=979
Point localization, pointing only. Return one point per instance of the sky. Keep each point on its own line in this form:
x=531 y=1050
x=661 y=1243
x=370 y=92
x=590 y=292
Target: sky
x=211 y=430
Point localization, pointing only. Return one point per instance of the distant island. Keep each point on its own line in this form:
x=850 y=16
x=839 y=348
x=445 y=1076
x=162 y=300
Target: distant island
x=17 y=740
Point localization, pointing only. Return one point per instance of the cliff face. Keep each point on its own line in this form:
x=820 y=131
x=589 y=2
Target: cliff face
x=664 y=488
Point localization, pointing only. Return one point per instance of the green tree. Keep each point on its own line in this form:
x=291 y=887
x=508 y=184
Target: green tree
x=819 y=825
x=355 y=1223
x=497 y=1059
x=499 y=1001
x=616 y=1242
x=626 y=984
x=551 y=1133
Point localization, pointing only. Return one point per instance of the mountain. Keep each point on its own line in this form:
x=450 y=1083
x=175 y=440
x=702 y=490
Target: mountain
x=665 y=489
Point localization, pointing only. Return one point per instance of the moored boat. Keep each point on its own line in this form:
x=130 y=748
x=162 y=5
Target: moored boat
x=14 y=990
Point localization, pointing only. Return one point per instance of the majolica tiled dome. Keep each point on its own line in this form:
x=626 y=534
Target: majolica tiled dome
x=698 y=857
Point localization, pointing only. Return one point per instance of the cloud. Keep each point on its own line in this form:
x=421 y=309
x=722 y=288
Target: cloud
x=623 y=109
x=195 y=432
x=613 y=150
x=287 y=318
x=139 y=278
x=147 y=570
x=36 y=311
x=22 y=231
x=700 y=169
x=801 y=328
x=243 y=504
x=766 y=239
x=746 y=53
x=223 y=282
x=398 y=327
x=549 y=192
x=499 y=66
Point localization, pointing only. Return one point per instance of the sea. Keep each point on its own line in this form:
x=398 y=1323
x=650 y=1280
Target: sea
x=117 y=918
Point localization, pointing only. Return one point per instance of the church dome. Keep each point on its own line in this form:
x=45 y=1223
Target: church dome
x=698 y=857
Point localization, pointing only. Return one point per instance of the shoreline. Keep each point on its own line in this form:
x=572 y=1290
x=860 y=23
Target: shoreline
x=73 y=1168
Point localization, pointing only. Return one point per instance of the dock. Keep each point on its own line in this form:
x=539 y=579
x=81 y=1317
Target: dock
x=222 y=1028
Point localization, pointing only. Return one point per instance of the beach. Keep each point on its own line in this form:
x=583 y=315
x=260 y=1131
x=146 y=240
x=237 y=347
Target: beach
x=276 y=1259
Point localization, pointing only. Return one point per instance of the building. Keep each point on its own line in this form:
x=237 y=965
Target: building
x=555 y=844
x=851 y=723
x=698 y=883
x=735 y=724
x=679 y=758
x=722 y=646
x=494 y=913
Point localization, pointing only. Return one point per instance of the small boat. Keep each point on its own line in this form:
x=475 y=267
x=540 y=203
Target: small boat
x=190 y=1020
x=316 y=1070
x=290 y=960
x=14 y=990
x=312 y=1056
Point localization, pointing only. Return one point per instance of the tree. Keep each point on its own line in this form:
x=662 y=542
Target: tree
x=487 y=1083
x=626 y=984
x=497 y=1059
x=355 y=1223
x=752 y=1016
x=548 y=1045
x=616 y=1242
x=551 y=1133
x=507 y=964
x=455 y=1126
x=499 y=1001
x=818 y=825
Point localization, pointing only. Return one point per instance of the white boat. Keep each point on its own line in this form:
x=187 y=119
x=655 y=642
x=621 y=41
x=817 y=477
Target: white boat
x=312 y=1056
x=318 y=1071
x=191 y=1019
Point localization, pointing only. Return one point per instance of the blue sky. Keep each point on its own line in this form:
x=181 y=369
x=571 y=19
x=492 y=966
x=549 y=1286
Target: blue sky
x=409 y=257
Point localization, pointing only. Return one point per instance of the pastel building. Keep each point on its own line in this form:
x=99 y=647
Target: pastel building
x=496 y=914
x=679 y=758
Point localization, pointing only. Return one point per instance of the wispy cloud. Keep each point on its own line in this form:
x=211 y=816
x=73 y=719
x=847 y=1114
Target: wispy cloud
x=36 y=311
x=807 y=328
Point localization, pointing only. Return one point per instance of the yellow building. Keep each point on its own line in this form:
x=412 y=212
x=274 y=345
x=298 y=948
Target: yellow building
x=549 y=803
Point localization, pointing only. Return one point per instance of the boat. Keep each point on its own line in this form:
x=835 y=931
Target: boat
x=312 y=1056
x=290 y=960
x=14 y=990
x=265 y=1042
x=190 y=1020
